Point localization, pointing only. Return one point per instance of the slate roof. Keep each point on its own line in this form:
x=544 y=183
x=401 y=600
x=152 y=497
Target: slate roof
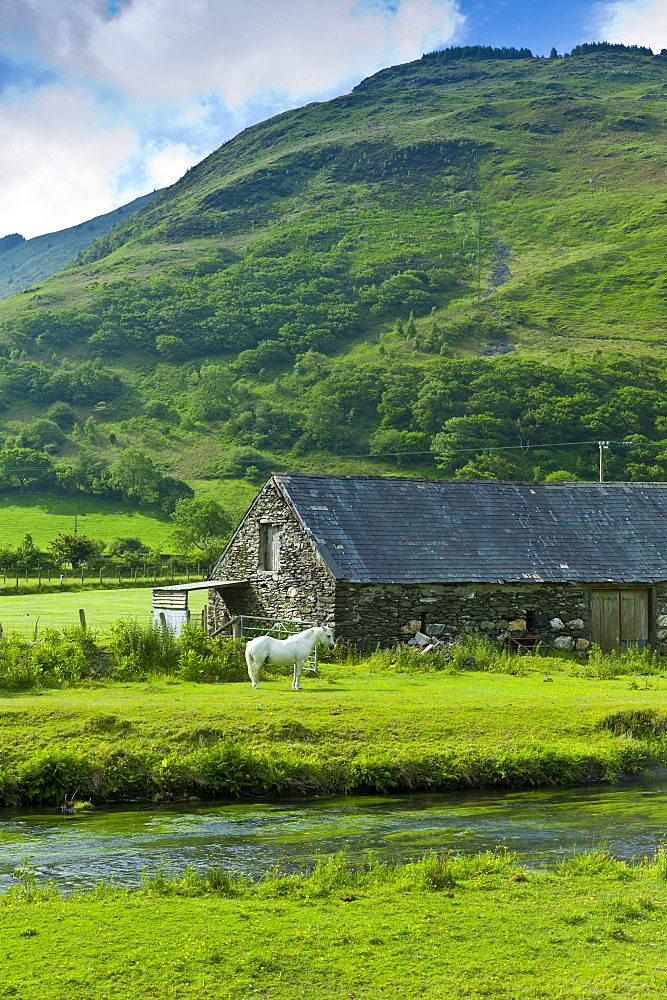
x=374 y=529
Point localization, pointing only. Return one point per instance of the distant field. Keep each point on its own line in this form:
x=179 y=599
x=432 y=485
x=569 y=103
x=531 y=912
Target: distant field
x=26 y=614
x=43 y=515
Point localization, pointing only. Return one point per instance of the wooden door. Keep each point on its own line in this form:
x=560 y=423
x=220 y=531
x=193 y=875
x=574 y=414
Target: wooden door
x=634 y=617
x=619 y=618
x=605 y=619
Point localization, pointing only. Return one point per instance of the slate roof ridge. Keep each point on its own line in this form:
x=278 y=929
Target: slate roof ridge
x=323 y=477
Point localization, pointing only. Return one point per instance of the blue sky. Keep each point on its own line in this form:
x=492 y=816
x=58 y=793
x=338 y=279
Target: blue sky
x=103 y=100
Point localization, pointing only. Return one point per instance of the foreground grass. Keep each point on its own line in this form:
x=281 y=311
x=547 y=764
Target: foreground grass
x=349 y=731
x=448 y=927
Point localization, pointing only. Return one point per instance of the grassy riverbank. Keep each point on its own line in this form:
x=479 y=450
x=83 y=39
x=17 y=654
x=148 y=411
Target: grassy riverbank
x=350 y=731
x=447 y=927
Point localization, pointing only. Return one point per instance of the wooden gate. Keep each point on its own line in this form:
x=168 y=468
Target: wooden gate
x=619 y=618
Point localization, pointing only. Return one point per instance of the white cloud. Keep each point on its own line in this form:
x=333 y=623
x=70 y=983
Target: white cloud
x=145 y=93
x=57 y=161
x=634 y=22
x=169 y=164
x=171 y=48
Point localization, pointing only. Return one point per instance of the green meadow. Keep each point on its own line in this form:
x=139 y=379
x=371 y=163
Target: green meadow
x=352 y=729
x=30 y=615
x=441 y=926
x=44 y=515
x=447 y=927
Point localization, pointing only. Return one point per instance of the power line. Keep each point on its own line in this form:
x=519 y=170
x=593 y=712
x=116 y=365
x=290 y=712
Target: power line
x=434 y=451
x=496 y=447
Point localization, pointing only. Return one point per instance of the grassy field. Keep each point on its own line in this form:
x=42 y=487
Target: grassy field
x=594 y=929
x=33 y=613
x=350 y=730
x=43 y=515
x=441 y=927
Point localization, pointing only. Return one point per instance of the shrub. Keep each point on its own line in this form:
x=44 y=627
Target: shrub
x=142 y=649
x=640 y=723
x=49 y=775
x=620 y=662
x=65 y=656
x=595 y=863
x=205 y=659
x=60 y=657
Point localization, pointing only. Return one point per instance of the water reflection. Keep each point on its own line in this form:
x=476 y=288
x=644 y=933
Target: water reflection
x=123 y=841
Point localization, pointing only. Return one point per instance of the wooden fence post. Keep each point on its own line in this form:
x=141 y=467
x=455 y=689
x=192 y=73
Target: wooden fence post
x=82 y=619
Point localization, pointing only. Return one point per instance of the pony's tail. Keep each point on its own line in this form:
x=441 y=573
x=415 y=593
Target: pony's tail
x=253 y=670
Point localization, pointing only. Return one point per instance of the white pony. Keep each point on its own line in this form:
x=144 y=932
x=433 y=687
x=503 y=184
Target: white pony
x=282 y=652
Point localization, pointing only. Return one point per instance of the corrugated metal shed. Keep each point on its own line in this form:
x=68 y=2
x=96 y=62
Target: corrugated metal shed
x=375 y=529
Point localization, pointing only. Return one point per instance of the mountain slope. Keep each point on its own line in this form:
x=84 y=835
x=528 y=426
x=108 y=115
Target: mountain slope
x=325 y=282
x=428 y=166
x=28 y=261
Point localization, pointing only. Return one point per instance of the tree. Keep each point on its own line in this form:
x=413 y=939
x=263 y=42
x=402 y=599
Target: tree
x=128 y=548
x=561 y=476
x=172 y=348
x=74 y=549
x=135 y=477
x=27 y=554
x=21 y=467
x=40 y=434
x=237 y=461
x=201 y=524
x=63 y=415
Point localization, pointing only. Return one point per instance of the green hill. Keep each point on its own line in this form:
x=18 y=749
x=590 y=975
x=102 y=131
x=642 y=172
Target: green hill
x=464 y=254
x=23 y=262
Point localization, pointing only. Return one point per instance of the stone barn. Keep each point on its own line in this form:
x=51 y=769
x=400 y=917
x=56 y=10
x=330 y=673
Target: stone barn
x=379 y=558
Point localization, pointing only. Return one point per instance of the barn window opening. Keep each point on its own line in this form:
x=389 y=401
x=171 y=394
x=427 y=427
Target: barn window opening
x=269 y=547
x=536 y=623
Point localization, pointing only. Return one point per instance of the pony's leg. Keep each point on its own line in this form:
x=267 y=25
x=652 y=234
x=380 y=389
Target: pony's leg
x=296 y=683
x=253 y=670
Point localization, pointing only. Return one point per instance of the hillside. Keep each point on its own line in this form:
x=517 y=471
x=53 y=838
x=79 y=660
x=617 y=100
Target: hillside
x=23 y=262
x=464 y=254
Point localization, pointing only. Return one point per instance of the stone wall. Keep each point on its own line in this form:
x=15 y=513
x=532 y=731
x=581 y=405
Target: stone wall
x=301 y=588
x=391 y=613
x=660 y=607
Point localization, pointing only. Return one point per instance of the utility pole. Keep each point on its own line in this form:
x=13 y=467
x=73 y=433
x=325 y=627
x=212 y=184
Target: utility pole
x=603 y=446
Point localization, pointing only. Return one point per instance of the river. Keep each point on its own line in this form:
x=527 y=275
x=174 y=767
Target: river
x=120 y=842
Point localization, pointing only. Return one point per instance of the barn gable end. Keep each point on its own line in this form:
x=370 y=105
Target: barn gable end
x=286 y=575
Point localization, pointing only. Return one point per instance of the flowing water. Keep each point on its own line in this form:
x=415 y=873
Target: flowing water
x=120 y=842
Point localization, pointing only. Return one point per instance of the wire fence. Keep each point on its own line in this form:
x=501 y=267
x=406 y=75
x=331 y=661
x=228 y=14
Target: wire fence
x=142 y=573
